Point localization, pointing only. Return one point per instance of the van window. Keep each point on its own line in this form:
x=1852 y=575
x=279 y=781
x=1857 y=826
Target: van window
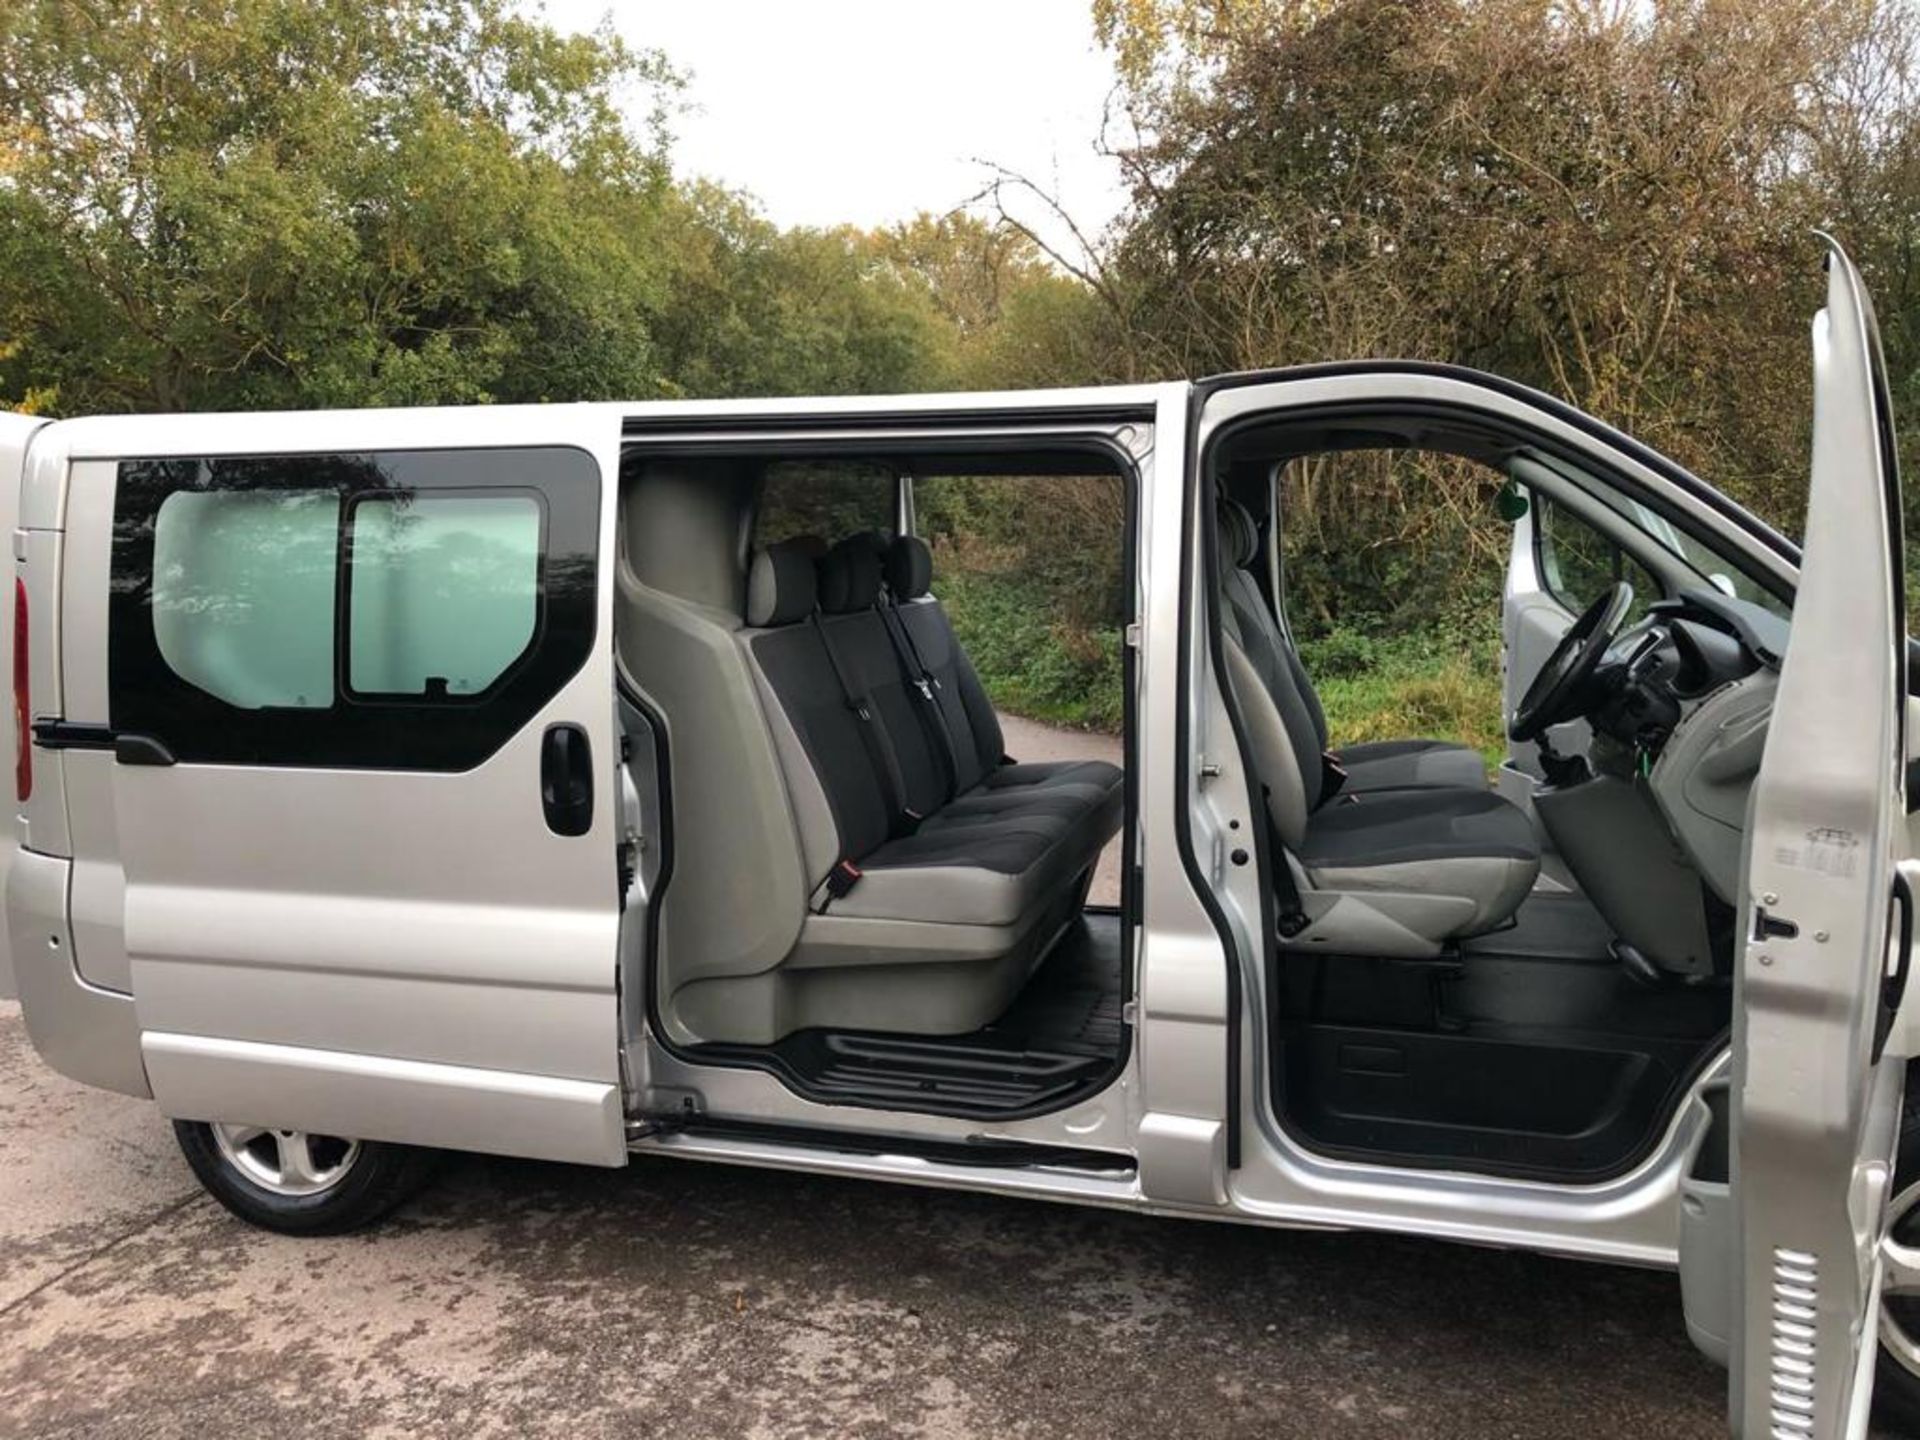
x=399 y=610
x=831 y=501
x=1578 y=564
x=443 y=592
x=243 y=593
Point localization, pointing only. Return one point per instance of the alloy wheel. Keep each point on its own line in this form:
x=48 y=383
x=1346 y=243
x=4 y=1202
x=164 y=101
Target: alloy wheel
x=286 y=1162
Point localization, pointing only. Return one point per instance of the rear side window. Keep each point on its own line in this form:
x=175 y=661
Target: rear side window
x=442 y=594
x=243 y=587
x=395 y=610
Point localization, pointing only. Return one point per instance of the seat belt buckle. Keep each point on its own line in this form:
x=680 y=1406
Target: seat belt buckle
x=1333 y=776
x=842 y=878
x=924 y=687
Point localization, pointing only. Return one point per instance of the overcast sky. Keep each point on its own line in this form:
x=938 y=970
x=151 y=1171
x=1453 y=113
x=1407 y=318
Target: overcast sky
x=867 y=111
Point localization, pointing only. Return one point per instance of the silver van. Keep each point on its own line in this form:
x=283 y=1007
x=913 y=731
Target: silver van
x=502 y=779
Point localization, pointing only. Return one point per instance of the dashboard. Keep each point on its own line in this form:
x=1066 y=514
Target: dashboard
x=1685 y=649
x=1651 y=818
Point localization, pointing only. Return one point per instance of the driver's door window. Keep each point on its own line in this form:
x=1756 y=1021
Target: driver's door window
x=1577 y=564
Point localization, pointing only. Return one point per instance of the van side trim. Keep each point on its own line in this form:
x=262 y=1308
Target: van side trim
x=378 y=1097
x=729 y=425
x=975 y=1150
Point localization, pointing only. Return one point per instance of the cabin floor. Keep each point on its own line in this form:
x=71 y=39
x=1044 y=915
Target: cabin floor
x=1531 y=1053
x=1062 y=1036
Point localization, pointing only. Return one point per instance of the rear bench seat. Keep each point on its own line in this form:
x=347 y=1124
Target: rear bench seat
x=983 y=775
x=940 y=872
x=937 y=871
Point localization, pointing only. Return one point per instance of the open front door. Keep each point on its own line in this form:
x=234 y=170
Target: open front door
x=1827 y=917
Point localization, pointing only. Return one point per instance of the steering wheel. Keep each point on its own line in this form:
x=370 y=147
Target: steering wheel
x=1558 y=692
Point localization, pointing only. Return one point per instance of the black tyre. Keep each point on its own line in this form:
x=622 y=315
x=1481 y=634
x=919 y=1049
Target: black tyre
x=1896 y=1388
x=297 y=1183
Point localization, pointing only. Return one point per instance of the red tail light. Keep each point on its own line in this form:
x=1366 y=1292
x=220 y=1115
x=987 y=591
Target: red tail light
x=22 y=700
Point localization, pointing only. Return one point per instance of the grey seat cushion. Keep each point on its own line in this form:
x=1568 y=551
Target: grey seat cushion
x=996 y=852
x=1472 y=845
x=1397 y=827
x=1404 y=764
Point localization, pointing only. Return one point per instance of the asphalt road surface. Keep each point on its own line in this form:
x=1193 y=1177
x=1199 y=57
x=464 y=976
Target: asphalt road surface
x=688 y=1300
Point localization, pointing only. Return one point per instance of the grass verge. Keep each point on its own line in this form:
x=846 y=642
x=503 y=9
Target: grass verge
x=1035 y=663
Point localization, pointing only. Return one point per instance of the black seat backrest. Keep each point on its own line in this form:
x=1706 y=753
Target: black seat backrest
x=824 y=649
x=1239 y=552
x=850 y=593
x=978 y=743
x=787 y=642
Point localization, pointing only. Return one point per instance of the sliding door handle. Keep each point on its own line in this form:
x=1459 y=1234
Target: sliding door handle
x=566 y=779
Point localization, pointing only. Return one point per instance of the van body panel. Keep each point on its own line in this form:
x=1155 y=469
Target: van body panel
x=97 y=898
x=16 y=433
x=42 y=500
x=86 y=1033
x=44 y=815
x=97 y=893
x=1826 y=912
x=495 y=1111
x=85 y=585
x=1186 y=990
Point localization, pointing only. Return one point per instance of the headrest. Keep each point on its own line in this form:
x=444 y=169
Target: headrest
x=850 y=575
x=1239 y=535
x=781 y=583
x=909 y=567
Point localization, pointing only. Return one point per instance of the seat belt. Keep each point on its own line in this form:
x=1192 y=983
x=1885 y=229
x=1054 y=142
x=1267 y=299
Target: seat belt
x=1292 y=917
x=900 y=819
x=925 y=684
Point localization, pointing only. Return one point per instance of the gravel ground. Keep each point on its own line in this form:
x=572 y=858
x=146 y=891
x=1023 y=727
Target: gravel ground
x=515 y=1299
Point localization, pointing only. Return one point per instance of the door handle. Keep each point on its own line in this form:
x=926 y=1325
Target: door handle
x=566 y=779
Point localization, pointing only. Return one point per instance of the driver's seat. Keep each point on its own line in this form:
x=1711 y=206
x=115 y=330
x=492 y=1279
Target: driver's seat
x=1382 y=872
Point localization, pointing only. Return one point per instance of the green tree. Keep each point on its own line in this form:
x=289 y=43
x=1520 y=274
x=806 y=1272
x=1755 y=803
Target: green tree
x=321 y=202
x=1013 y=319
x=1613 y=202
x=751 y=309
